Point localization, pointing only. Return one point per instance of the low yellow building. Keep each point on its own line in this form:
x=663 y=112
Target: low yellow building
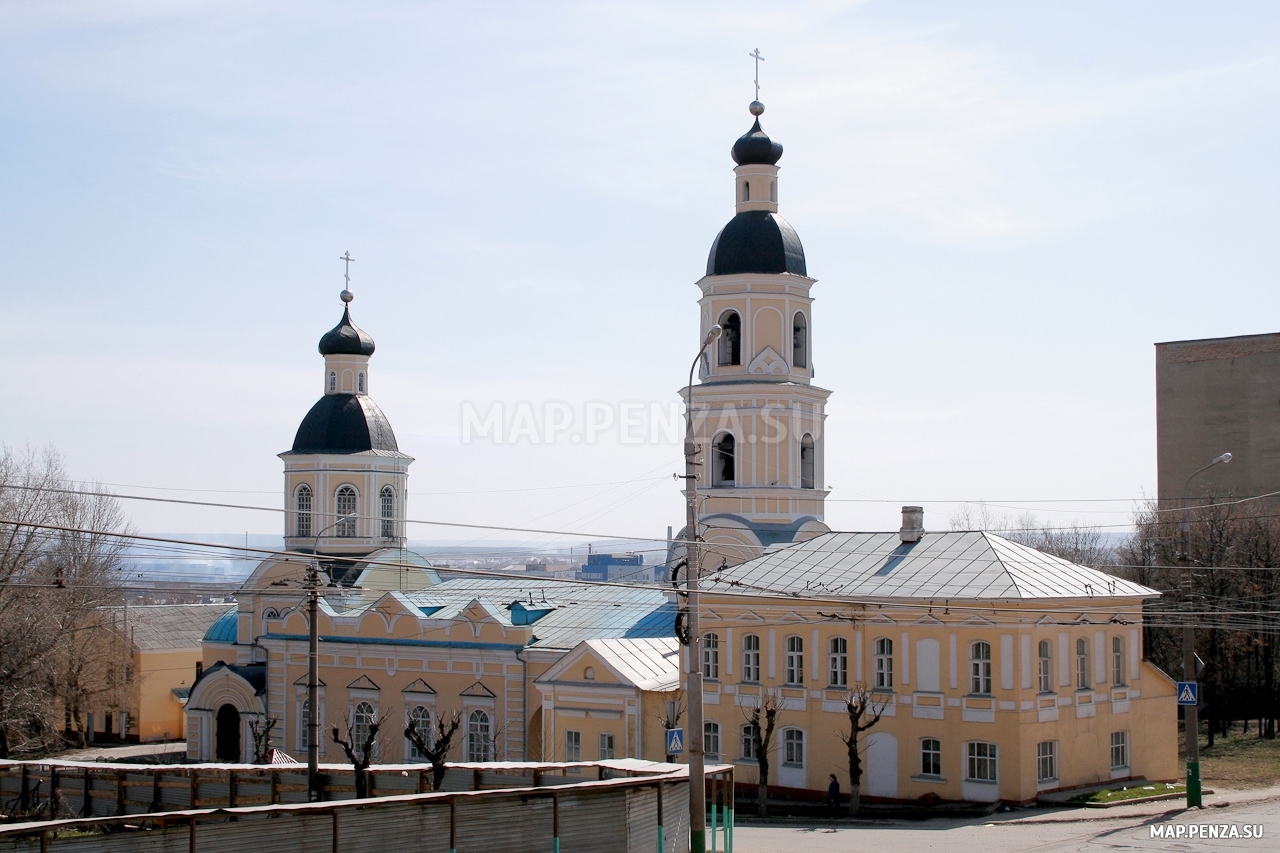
x=1001 y=672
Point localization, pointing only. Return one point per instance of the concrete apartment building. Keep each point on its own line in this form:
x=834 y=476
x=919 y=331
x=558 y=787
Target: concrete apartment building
x=1214 y=396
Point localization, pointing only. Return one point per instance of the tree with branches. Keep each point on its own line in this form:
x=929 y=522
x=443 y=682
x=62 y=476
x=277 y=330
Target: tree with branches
x=672 y=710
x=864 y=712
x=762 y=722
x=61 y=558
x=260 y=732
x=435 y=746
x=359 y=754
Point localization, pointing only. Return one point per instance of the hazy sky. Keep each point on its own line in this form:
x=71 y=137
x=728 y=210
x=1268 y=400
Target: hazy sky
x=1005 y=206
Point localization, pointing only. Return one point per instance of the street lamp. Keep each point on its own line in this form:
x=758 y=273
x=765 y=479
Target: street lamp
x=1191 y=719
x=697 y=766
x=313 y=663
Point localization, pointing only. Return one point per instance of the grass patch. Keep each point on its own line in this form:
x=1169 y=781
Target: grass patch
x=1237 y=762
x=1130 y=792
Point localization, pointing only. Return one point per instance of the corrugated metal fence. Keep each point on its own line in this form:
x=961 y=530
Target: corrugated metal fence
x=547 y=807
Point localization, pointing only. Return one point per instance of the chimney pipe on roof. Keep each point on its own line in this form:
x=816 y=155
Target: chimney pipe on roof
x=912 y=524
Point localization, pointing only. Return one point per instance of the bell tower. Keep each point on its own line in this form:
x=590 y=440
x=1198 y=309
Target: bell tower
x=758 y=417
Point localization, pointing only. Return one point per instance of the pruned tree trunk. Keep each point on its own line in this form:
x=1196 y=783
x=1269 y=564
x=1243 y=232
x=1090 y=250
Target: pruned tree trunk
x=864 y=712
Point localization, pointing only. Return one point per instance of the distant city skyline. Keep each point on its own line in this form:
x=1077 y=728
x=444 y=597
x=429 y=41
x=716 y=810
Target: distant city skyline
x=1005 y=207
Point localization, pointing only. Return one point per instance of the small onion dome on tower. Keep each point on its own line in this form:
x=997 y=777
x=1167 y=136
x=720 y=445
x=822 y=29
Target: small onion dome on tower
x=346 y=338
x=755 y=146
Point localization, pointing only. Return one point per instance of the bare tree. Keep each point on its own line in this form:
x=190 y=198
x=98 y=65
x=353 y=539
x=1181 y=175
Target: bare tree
x=762 y=721
x=435 y=747
x=61 y=552
x=360 y=755
x=260 y=732
x=864 y=711
x=1082 y=544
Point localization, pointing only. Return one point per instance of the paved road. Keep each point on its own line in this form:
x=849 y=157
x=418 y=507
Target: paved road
x=1038 y=832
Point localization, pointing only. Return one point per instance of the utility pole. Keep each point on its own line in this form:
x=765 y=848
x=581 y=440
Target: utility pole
x=693 y=570
x=1191 y=715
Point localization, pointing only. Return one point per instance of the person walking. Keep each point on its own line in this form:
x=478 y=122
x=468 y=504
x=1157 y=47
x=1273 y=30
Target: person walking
x=833 y=796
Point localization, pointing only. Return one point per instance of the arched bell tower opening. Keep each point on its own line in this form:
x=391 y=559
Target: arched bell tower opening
x=758 y=417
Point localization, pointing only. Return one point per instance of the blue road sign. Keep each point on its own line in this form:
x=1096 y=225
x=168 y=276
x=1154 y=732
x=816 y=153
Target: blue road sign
x=675 y=741
x=1188 y=693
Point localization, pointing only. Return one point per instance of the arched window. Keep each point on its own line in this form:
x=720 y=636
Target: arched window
x=711 y=656
x=388 y=512
x=478 y=736
x=360 y=383
x=1046 y=666
x=730 y=346
x=773 y=191
x=746 y=191
x=420 y=719
x=271 y=613
x=795 y=660
x=302 y=502
x=751 y=658
x=838 y=662
x=346 y=505
x=793 y=747
x=723 y=463
x=361 y=725
x=333 y=382
x=1117 y=661
x=799 y=340
x=711 y=740
x=884 y=664
x=1082 y=664
x=980 y=668
x=806 y=462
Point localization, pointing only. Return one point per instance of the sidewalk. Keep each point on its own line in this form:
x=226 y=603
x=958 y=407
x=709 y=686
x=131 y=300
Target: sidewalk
x=126 y=753
x=1222 y=799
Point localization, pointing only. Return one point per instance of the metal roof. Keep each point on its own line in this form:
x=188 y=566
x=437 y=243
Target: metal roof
x=225 y=630
x=650 y=663
x=576 y=611
x=156 y=627
x=940 y=566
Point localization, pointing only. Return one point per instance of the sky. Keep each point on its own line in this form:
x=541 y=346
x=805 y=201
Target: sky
x=1005 y=206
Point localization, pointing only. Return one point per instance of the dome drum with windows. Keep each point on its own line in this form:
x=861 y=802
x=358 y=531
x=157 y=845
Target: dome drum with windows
x=345 y=475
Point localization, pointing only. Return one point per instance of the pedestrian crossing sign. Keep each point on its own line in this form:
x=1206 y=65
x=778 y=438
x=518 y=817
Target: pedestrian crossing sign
x=1188 y=693
x=675 y=741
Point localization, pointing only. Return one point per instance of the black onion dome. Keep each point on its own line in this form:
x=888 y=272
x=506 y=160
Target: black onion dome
x=344 y=423
x=755 y=146
x=346 y=338
x=756 y=241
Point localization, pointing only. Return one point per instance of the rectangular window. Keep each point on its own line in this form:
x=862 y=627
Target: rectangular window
x=749 y=741
x=751 y=658
x=930 y=757
x=1082 y=665
x=980 y=668
x=1117 y=662
x=793 y=747
x=884 y=664
x=711 y=656
x=982 y=762
x=795 y=660
x=1119 y=750
x=573 y=746
x=1047 y=761
x=606 y=747
x=838 y=663
x=711 y=740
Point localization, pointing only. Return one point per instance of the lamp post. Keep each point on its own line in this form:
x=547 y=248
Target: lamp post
x=313 y=663
x=693 y=741
x=1191 y=718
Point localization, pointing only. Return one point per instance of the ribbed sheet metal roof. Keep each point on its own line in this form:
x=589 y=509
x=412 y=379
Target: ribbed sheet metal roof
x=650 y=664
x=156 y=627
x=579 y=611
x=942 y=566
